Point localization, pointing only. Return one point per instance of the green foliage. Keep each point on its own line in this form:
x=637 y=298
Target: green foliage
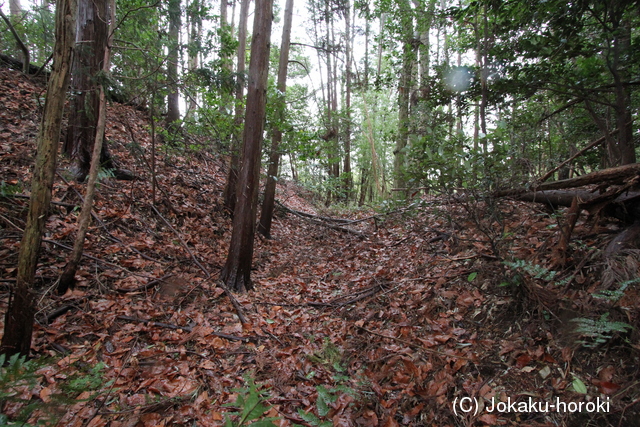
x=250 y=405
x=616 y=294
x=326 y=396
x=330 y=356
x=578 y=385
x=18 y=375
x=10 y=189
x=534 y=270
x=105 y=174
x=594 y=333
x=35 y=27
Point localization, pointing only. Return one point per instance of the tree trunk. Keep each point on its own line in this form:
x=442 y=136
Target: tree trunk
x=625 y=145
x=15 y=11
x=404 y=90
x=195 y=35
x=67 y=280
x=484 y=72
x=266 y=216
x=18 y=323
x=237 y=270
x=173 y=98
x=348 y=179
x=383 y=18
x=91 y=38
x=232 y=178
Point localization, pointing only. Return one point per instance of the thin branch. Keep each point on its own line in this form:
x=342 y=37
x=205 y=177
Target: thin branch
x=186 y=329
x=23 y=48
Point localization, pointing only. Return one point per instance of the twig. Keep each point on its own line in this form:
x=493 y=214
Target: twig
x=219 y=283
x=58 y=312
x=428 y=350
x=184 y=244
x=110 y=264
x=113 y=384
x=186 y=329
x=310 y=218
x=144 y=287
x=102 y=224
x=11 y=223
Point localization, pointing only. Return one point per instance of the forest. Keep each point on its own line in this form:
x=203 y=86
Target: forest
x=320 y=213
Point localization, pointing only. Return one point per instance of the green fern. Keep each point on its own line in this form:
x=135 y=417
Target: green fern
x=18 y=373
x=616 y=294
x=9 y=189
x=597 y=332
x=250 y=405
x=534 y=270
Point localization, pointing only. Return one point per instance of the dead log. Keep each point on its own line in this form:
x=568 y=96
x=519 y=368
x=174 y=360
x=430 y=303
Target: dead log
x=616 y=175
x=321 y=221
x=555 y=198
x=623 y=205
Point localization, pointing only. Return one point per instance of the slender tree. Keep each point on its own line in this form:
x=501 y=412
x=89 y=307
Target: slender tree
x=346 y=169
x=236 y=272
x=266 y=216
x=173 y=97
x=18 y=323
x=404 y=91
x=232 y=177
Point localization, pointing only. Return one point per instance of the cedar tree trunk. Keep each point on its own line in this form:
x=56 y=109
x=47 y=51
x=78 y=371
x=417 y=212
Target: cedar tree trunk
x=92 y=33
x=232 y=178
x=266 y=215
x=237 y=270
x=67 y=280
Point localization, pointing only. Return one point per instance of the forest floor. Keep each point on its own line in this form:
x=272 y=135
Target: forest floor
x=423 y=306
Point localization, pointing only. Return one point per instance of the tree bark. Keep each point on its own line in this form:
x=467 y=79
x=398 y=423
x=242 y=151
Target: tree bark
x=232 y=177
x=67 y=280
x=195 y=34
x=621 y=47
x=92 y=33
x=404 y=90
x=266 y=216
x=18 y=323
x=237 y=270
x=348 y=179
x=173 y=98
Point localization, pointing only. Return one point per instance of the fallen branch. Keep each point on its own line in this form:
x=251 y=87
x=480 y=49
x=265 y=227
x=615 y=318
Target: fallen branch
x=59 y=312
x=308 y=215
x=418 y=346
x=575 y=156
x=110 y=264
x=605 y=176
x=311 y=218
x=145 y=287
x=184 y=244
x=185 y=328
